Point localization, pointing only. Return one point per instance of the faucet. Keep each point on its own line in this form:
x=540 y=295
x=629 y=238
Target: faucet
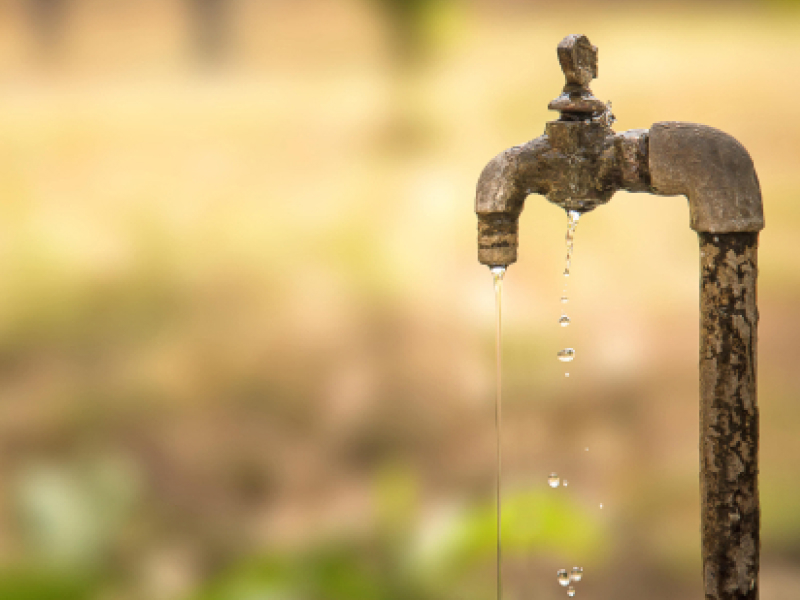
x=578 y=164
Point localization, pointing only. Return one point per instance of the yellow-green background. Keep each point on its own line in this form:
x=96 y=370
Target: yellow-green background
x=246 y=349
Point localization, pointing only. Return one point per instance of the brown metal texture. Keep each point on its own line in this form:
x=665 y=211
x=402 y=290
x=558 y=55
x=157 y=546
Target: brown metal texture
x=729 y=416
x=578 y=60
x=577 y=165
x=713 y=170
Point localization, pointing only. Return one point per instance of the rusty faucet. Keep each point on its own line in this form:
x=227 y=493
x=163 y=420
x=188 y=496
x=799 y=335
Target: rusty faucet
x=578 y=164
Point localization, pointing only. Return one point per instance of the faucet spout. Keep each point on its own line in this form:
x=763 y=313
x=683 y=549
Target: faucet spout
x=502 y=188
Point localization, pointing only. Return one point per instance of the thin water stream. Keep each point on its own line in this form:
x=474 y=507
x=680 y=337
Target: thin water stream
x=567 y=354
x=497 y=274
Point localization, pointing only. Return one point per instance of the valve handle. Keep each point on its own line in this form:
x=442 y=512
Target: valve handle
x=578 y=59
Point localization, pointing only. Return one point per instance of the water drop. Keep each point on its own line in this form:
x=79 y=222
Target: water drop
x=564 y=299
x=566 y=374
x=566 y=355
x=571 y=591
x=498 y=272
x=566 y=483
x=563 y=321
x=587 y=448
x=573 y=217
x=576 y=574
x=553 y=480
x=601 y=506
x=563 y=577
x=566 y=272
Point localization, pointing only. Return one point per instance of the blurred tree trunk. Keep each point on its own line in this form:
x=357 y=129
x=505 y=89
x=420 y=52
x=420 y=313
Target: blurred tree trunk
x=210 y=24
x=47 y=18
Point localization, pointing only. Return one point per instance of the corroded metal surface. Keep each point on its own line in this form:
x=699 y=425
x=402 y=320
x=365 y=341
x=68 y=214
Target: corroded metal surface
x=578 y=164
x=710 y=168
x=578 y=60
x=729 y=416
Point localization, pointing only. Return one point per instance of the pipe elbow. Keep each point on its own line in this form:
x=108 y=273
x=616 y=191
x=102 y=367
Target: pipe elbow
x=710 y=168
x=502 y=188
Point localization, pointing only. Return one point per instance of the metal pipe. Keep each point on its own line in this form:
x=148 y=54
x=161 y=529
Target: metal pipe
x=578 y=164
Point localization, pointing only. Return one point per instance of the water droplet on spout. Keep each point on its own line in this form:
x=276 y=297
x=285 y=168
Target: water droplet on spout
x=566 y=355
x=563 y=321
x=498 y=272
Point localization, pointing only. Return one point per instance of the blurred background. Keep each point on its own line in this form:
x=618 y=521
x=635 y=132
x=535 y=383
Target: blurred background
x=246 y=349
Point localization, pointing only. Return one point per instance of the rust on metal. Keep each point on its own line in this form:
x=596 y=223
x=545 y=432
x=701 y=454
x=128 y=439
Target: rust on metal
x=710 y=168
x=729 y=415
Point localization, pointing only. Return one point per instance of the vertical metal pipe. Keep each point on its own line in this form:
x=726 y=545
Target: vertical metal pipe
x=729 y=415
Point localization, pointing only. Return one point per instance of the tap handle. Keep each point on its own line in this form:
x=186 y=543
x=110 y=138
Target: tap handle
x=578 y=60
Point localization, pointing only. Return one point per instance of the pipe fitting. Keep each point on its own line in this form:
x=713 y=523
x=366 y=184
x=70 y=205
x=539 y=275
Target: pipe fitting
x=710 y=168
x=498 y=238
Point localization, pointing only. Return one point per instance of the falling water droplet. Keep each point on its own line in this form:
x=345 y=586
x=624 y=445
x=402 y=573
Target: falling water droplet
x=587 y=448
x=576 y=574
x=564 y=299
x=553 y=480
x=601 y=506
x=571 y=591
x=563 y=577
x=565 y=483
x=566 y=374
x=566 y=272
x=563 y=321
x=566 y=355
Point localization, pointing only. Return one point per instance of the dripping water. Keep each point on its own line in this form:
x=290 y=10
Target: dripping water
x=497 y=275
x=567 y=354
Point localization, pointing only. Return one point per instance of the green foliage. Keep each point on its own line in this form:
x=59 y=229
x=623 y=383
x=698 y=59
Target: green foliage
x=36 y=585
x=348 y=571
x=395 y=567
x=417 y=24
